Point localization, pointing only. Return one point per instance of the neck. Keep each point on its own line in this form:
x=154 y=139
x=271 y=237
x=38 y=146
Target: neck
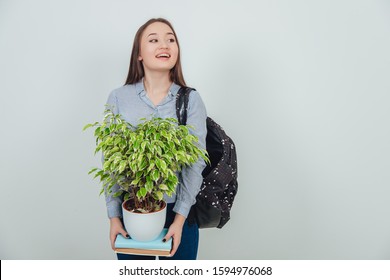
x=157 y=83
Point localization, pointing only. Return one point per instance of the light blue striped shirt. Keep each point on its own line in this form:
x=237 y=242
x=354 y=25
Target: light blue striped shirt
x=132 y=102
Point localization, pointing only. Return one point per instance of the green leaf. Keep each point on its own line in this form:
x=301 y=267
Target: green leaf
x=158 y=163
x=159 y=195
x=135 y=181
x=89 y=125
x=149 y=186
x=143 y=145
x=141 y=193
x=155 y=175
x=139 y=174
x=140 y=157
x=143 y=164
x=122 y=166
x=151 y=147
x=101 y=144
x=93 y=170
x=171 y=186
x=163 y=165
x=133 y=165
x=172 y=178
x=159 y=150
x=169 y=193
x=106 y=165
x=117 y=141
x=136 y=145
x=117 y=194
x=151 y=166
x=99 y=173
x=166 y=135
x=182 y=158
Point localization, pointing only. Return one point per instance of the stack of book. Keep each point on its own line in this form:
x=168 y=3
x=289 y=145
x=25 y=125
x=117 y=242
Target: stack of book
x=150 y=248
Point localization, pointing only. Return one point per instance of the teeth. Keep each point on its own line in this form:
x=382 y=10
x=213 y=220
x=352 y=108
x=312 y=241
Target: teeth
x=163 y=55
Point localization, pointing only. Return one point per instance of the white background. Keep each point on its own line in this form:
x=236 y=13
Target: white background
x=201 y=269
x=301 y=86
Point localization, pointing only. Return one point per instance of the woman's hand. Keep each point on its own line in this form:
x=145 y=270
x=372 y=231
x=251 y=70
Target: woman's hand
x=175 y=231
x=116 y=227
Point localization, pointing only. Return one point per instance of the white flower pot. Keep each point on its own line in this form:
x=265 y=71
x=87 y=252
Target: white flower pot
x=144 y=226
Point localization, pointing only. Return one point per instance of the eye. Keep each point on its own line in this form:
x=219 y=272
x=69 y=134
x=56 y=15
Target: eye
x=153 y=41
x=172 y=40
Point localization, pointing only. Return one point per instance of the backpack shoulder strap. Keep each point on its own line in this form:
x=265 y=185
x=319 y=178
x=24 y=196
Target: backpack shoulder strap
x=182 y=98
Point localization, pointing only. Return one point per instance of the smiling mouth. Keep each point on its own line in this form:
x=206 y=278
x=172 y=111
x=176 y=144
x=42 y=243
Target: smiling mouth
x=163 y=55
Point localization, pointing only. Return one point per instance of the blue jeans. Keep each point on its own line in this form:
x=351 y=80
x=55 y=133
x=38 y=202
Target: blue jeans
x=188 y=248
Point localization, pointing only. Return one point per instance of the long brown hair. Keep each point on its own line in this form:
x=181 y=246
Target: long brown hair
x=136 y=68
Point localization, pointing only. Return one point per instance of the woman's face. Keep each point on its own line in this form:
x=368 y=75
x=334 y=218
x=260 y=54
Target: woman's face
x=158 y=48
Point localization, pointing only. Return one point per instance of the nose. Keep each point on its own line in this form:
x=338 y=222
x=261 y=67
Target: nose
x=164 y=45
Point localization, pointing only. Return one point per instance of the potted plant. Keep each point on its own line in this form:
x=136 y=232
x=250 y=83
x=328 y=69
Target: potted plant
x=143 y=161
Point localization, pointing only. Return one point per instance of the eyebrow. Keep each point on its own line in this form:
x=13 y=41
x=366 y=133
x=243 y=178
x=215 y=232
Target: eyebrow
x=168 y=33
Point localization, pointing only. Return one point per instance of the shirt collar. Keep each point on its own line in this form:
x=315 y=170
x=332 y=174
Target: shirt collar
x=140 y=89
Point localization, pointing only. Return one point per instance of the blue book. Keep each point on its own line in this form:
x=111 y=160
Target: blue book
x=151 y=248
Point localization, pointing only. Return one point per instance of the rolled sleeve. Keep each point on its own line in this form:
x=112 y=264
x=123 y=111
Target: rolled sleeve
x=114 y=207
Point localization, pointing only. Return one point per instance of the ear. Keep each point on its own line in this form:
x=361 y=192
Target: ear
x=140 y=58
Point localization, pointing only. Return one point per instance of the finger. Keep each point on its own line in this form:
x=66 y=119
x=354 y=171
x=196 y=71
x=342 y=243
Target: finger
x=114 y=235
x=175 y=246
x=112 y=239
x=124 y=233
x=167 y=236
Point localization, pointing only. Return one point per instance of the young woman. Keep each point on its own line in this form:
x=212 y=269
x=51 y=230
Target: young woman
x=155 y=76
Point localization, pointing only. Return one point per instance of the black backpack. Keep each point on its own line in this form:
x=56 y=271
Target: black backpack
x=219 y=187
